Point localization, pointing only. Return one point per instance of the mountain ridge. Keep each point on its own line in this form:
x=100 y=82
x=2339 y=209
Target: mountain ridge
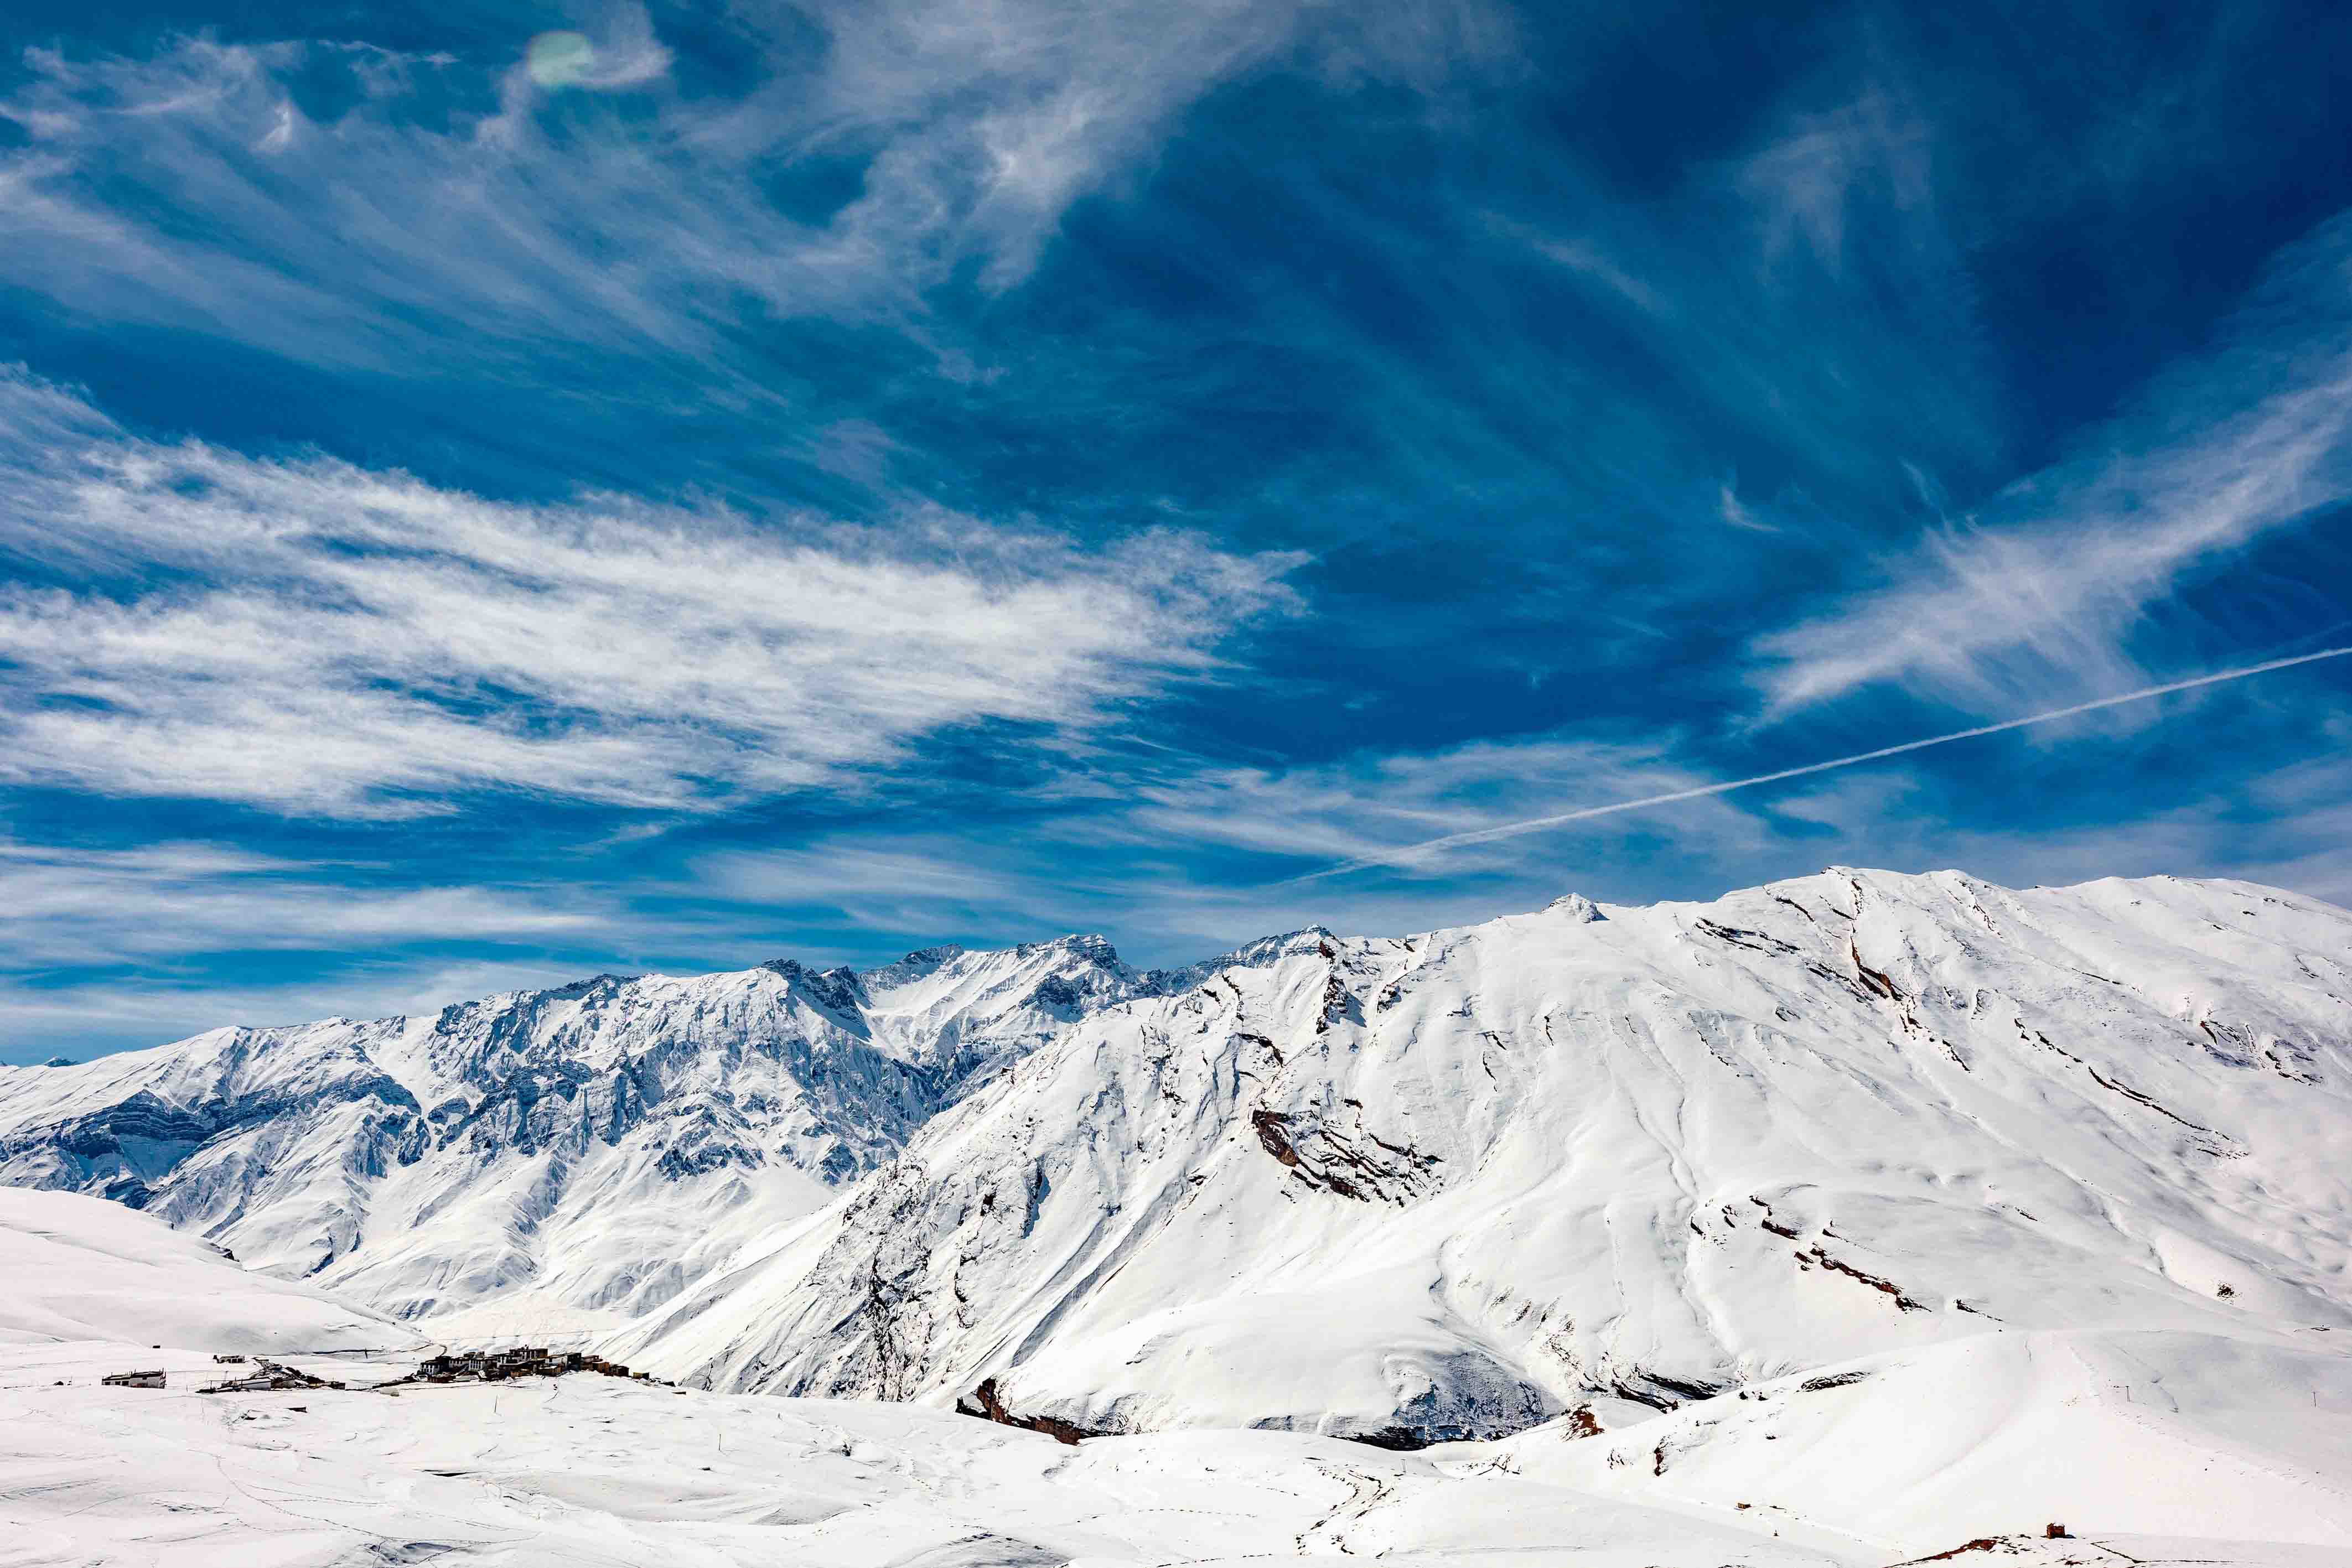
x=283 y=1141
x=1597 y=1157
x=1594 y=1161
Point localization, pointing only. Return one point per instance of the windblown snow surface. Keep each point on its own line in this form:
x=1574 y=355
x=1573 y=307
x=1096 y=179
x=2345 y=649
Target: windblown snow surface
x=1852 y=1219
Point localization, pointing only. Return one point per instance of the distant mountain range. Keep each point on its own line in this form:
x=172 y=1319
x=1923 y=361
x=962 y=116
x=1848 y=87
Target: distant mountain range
x=586 y=1148
x=1592 y=1162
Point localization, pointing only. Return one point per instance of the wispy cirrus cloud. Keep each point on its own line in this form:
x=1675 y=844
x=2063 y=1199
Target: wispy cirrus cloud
x=1805 y=181
x=103 y=949
x=433 y=197
x=1191 y=859
x=62 y=907
x=1805 y=295
x=1447 y=845
x=2035 y=598
x=1376 y=807
x=628 y=56
x=310 y=636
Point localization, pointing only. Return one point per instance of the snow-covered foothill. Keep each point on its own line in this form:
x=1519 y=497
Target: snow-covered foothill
x=2157 y=1432
x=75 y=1270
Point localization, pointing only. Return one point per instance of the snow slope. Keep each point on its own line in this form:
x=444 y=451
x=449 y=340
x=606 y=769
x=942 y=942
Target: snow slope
x=576 y=1153
x=2157 y=1432
x=1454 y=1185
x=79 y=1269
x=592 y=1472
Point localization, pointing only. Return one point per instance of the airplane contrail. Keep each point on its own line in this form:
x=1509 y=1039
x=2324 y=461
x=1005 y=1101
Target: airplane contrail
x=1405 y=853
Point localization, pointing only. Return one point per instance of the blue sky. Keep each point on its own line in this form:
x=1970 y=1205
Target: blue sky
x=495 y=493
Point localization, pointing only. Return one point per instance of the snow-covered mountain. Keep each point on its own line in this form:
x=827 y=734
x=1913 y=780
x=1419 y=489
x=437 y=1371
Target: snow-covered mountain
x=1591 y=1163
x=1573 y=1167
x=585 y=1149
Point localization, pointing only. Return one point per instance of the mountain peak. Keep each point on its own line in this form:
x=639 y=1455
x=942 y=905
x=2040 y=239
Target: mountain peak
x=1092 y=946
x=1740 y=1114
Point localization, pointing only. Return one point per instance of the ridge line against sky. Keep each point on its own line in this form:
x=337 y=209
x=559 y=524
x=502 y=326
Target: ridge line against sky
x=500 y=492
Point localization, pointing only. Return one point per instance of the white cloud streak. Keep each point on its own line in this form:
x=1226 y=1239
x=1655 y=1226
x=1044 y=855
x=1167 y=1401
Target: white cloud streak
x=2036 y=599
x=343 y=241
x=1160 y=865
x=62 y=907
x=1804 y=184
x=1357 y=808
x=1430 y=849
x=313 y=637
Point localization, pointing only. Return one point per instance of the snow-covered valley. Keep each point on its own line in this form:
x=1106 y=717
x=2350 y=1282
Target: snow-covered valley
x=1846 y=1220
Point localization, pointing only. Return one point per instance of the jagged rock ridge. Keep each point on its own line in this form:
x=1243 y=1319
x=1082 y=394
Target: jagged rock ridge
x=589 y=1146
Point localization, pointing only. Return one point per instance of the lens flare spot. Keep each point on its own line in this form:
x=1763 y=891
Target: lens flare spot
x=559 y=59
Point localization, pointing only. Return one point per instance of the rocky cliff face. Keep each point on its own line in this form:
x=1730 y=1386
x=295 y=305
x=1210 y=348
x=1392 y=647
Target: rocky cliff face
x=1608 y=1159
x=584 y=1147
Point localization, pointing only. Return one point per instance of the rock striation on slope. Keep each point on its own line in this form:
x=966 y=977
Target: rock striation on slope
x=1597 y=1160
x=589 y=1147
